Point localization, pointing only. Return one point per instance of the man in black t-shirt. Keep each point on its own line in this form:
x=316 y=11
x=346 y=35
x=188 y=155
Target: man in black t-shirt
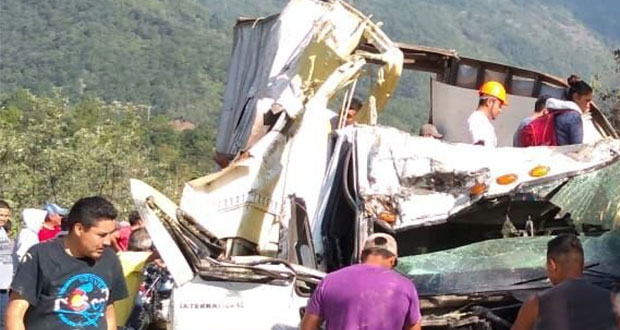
x=70 y=282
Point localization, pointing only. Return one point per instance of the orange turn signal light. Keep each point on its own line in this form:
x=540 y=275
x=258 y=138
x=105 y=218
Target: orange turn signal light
x=539 y=171
x=387 y=217
x=507 y=179
x=478 y=189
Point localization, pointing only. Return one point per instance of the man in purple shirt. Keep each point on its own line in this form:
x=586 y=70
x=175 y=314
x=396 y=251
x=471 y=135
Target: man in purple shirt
x=369 y=295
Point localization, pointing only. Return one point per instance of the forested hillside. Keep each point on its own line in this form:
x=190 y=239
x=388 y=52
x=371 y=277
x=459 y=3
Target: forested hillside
x=556 y=36
x=88 y=88
x=600 y=16
x=173 y=55
x=159 y=53
x=559 y=37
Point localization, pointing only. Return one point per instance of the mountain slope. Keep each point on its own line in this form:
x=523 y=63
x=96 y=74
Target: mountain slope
x=162 y=53
x=553 y=36
x=173 y=54
x=601 y=15
x=556 y=36
x=533 y=34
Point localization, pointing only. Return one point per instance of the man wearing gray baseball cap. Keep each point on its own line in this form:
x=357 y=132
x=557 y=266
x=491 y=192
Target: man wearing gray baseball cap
x=370 y=295
x=53 y=219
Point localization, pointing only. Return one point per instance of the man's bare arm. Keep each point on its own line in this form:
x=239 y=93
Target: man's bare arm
x=417 y=326
x=527 y=315
x=110 y=317
x=15 y=312
x=311 y=322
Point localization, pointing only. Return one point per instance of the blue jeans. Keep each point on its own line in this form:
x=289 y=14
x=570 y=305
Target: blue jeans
x=4 y=301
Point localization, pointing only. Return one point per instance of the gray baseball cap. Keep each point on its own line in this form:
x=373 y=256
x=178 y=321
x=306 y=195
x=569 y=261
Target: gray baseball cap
x=52 y=208
x=430 y=130
x=381 y=241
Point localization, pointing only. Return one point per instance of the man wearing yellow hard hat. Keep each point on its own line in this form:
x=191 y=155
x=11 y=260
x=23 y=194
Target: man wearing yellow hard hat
x=492 y=99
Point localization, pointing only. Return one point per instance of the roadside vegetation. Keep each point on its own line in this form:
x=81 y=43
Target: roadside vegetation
x=53 y=150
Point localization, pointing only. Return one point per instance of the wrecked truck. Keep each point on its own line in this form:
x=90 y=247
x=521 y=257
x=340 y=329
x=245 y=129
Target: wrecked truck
x=297 y=195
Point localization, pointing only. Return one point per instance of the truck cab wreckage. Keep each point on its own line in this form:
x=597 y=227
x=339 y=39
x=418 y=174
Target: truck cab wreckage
x=296 y=198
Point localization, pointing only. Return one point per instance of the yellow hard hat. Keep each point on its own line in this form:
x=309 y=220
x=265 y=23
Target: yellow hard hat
x=495 y=89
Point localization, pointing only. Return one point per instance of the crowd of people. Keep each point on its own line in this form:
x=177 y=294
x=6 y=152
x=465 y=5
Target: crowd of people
x=75 y=280
x=555 y=122
x=63 y=270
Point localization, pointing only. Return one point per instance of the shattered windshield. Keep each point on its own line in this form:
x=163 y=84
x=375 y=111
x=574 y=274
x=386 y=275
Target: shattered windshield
x=502 y=264
x=593 y=198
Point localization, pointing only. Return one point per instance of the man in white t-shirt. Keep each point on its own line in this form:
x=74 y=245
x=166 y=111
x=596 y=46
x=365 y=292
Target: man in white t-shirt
x=492 y=99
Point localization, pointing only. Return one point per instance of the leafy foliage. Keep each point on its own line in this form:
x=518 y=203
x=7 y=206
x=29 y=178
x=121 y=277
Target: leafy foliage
x=54 y=151
x=609 y=98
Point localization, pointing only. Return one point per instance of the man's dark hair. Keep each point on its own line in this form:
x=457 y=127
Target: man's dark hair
x=89 y=211
x=564 y=245
x=540 y=103
x=484 y=99
x=381 y=252
x=4 y=204
x=140 y=240
x=356 y=104
x=134 y=218
x=64 y=224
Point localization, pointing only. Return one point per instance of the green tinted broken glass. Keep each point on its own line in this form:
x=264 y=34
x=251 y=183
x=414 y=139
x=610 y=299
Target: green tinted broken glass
x=500 y=264
x=592 y=198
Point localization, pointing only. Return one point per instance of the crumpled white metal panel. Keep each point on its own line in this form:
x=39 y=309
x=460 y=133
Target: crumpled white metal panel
x=171 y=254
x=394 y=163
x=249 y=198
x=235 y=305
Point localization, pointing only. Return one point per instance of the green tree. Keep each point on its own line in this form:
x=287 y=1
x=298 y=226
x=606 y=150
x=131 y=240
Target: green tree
x=610 y=97
x=53 y=155
x=52 y=150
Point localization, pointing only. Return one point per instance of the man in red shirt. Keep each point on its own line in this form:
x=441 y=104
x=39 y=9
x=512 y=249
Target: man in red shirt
x=120 y=238
x=51 y=225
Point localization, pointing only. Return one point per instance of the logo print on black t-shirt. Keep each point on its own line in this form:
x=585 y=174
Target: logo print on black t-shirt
x=82 y=300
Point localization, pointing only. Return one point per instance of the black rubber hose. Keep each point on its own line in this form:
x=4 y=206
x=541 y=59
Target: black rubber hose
x=351 y=201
